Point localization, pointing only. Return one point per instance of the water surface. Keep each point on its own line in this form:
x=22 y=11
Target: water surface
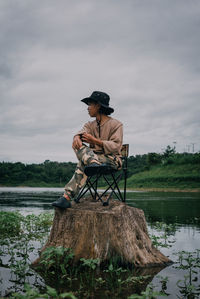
x=177 y=208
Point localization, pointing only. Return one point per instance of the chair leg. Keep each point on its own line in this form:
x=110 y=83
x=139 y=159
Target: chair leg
x=81 y=193
x=96 y=186
x=115 y=183
x=91 y=187
x=88 y=187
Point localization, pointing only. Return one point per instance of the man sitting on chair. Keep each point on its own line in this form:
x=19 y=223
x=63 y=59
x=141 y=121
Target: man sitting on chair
x=104 y=136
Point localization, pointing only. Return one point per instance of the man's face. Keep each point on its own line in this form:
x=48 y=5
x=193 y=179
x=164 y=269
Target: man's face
x=93 y=109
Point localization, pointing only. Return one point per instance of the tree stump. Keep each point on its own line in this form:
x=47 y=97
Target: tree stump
x=93 y=231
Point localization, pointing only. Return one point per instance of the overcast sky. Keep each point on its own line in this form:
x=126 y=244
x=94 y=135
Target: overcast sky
x=144 y=53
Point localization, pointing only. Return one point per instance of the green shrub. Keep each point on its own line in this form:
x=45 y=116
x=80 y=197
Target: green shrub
x=153 y=159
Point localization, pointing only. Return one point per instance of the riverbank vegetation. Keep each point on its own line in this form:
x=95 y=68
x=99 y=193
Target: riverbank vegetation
x=166 y=170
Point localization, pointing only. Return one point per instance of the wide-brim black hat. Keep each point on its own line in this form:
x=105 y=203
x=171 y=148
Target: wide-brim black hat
x=99 y=97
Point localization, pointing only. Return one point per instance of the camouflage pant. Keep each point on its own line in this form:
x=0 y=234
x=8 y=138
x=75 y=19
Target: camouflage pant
x=85 y=156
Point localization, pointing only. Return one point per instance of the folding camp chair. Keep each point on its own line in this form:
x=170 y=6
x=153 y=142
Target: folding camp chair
x=109 y=176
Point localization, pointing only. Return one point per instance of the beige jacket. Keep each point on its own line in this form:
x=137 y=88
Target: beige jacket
x=111 y=133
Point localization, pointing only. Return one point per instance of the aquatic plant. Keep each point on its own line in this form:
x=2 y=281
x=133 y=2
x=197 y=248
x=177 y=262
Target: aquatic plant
x=149 y=293
x=165 y=231
x=51 y=293
x=17 y=240
x=10 y=224
x=56 y=260
x=163 y=281
x=190 y=263
x=90 y=263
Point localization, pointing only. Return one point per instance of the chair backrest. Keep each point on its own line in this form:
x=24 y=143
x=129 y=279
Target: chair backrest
x=125 y=150
x=125 y=153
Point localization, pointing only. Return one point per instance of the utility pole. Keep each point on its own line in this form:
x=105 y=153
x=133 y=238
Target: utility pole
x=193 y=147
x=188 y=148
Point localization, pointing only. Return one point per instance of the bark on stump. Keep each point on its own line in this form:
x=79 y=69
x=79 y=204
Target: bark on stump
x=94 y=231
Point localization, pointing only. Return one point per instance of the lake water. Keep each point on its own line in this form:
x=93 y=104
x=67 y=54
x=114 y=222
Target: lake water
x=180 y=209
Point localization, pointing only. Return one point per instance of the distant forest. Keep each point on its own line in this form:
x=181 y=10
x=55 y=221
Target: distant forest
x=56 y=174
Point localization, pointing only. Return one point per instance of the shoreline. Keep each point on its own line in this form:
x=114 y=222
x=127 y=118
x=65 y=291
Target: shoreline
x=164 y=190
x=194 y=190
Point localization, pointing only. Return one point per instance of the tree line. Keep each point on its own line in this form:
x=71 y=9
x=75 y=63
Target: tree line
x=51 y=173
x=43 y=174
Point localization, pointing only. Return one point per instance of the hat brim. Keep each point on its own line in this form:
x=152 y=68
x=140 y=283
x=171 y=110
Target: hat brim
x=88 y=100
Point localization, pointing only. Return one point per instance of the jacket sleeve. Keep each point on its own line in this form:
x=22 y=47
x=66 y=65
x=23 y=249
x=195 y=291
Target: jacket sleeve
x=86 y=129
x=114 y=144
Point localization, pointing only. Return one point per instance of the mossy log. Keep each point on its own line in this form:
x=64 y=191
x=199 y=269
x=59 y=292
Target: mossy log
x=93 y=231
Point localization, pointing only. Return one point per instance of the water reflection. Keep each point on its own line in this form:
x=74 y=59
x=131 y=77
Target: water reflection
x=115 y=285
x=28 y=200
x=169 y=207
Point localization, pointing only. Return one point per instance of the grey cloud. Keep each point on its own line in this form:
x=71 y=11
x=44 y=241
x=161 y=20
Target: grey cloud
x=145 y=54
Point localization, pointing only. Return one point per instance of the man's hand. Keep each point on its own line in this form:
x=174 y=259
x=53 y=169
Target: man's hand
x=88 y=138
x=77 y=143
